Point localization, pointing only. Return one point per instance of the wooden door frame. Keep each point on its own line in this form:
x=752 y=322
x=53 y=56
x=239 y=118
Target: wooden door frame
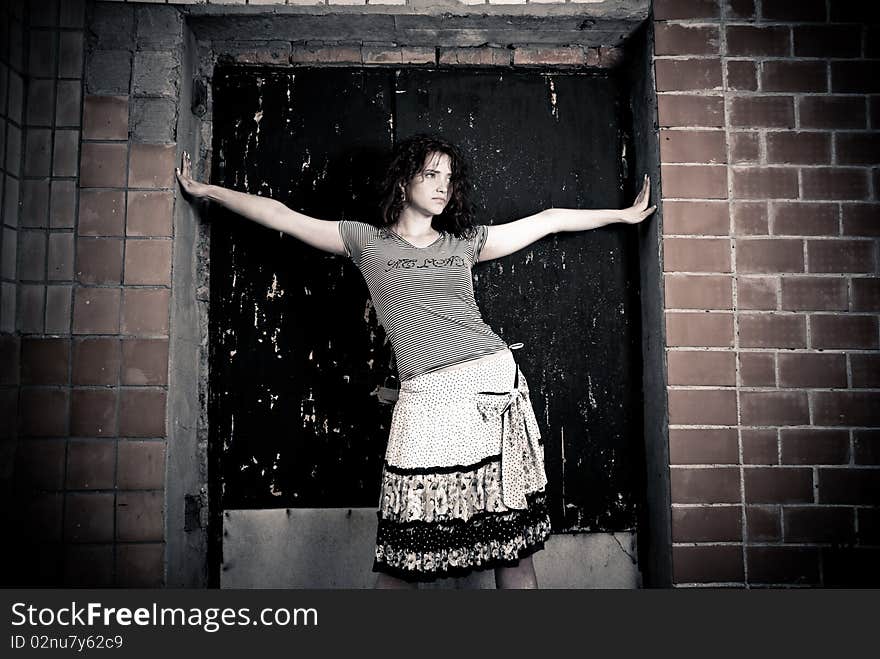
x=209 y=41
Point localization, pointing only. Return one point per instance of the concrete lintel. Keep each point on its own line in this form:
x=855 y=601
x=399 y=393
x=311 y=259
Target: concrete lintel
x=561 y=24
x=634 y=11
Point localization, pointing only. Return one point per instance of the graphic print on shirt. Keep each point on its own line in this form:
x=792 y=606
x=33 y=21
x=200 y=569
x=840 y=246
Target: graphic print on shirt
x=452 y=261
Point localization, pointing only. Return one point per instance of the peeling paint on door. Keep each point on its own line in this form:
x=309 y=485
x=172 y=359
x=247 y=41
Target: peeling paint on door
x=293 y=411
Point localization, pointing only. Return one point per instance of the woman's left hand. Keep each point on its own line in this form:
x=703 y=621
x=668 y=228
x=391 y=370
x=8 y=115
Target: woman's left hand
x=640 y=209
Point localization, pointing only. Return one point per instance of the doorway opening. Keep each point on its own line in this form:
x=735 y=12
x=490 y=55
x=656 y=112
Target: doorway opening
x=296 y=431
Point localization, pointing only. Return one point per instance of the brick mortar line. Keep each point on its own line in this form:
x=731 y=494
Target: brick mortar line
x=768 y=275
x=766 y=545
x=706 y=466
x=721 y=426
x=123 y=438
x=759 y=350
x=749 y=93
x=179 y=112
x=110 y=543
x=777 y=165
x=751 y=22
x=68 y=413
x=124 y=337
x=722 y=48
x=809 y=506
x=92 y=387
x=763 y=544
x=757 y=22
x=755 y=200
x=765 y=57
x=105 y=285
x=122 y=296
x=55 y=78
x=707 y=584
x=778 y=129
x=103 y=490
x=780 y=236
x=781 y=390
x=94 y=438
x=707 y=543
x=758 y=586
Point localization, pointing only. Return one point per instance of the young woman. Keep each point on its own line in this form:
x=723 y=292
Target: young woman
x=463 y=483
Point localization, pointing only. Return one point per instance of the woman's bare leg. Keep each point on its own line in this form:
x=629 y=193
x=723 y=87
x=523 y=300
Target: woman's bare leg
x=521 y=575
x=386 y=581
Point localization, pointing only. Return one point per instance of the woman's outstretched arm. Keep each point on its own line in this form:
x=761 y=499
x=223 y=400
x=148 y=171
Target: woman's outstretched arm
x=504 y=239
x=322 y=234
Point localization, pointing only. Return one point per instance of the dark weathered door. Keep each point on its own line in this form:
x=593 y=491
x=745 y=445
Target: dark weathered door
x=296 y=353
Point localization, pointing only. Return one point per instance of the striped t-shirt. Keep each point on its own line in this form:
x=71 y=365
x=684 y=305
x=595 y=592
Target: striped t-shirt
x=424 y=296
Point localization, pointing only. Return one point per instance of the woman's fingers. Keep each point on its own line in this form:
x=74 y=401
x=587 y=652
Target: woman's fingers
x=188 y=184
x=185 y=165
x=642 y=200
x=184 y=172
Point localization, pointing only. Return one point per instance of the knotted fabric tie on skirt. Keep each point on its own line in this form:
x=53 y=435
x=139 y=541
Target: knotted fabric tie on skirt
x=522 y=455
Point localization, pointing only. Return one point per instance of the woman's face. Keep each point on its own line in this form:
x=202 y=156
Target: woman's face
x=429 y=191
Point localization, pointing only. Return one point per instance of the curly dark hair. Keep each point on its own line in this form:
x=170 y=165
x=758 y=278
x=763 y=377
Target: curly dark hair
x=407 y=161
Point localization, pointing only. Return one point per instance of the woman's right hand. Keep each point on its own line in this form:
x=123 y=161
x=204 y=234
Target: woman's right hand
x=190 y=187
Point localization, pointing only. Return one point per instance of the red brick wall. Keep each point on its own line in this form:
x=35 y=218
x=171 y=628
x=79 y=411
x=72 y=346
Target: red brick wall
x=769 y=115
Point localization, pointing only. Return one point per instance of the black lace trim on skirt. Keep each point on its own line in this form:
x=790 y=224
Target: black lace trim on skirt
x=452 y=572
x=457 y=547
x=424 y=471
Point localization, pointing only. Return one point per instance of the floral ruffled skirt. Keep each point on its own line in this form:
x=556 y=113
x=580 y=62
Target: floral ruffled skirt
x=463 y=486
